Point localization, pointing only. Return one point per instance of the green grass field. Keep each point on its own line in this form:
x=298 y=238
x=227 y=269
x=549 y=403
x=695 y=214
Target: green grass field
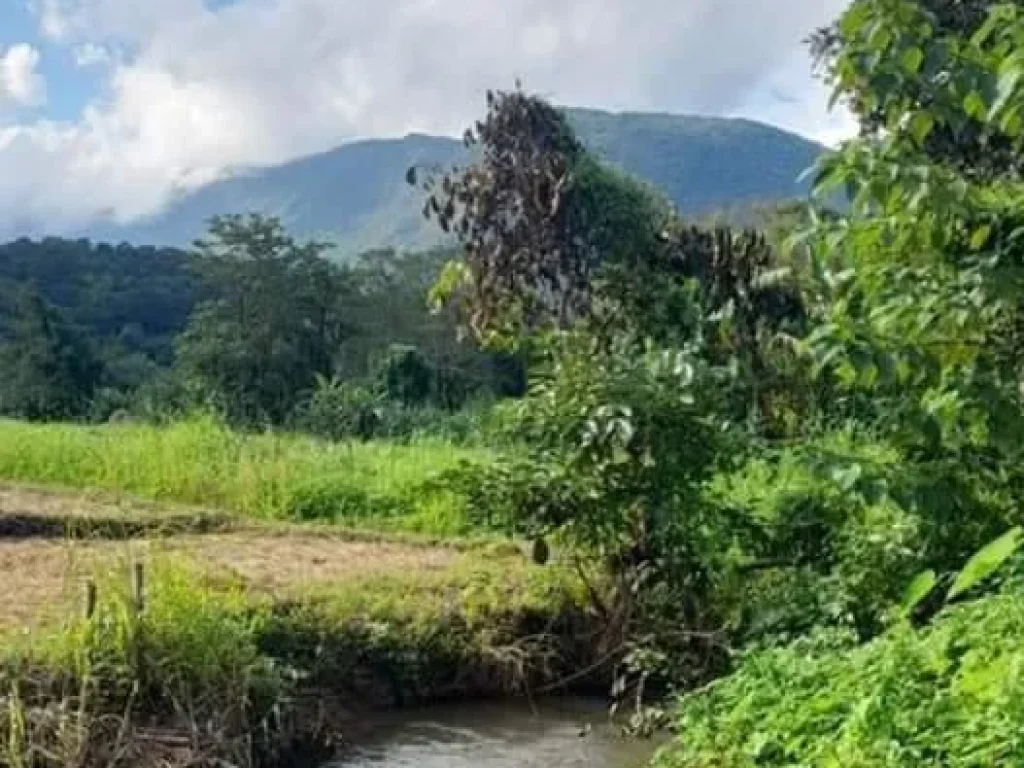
x=272 y=476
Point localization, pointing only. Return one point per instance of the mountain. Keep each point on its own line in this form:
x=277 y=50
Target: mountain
x=356 y=195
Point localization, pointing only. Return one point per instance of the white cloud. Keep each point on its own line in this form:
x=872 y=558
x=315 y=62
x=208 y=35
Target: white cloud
x=91 y=55
x=261 y=81
x=20 y=83
x=786 y=98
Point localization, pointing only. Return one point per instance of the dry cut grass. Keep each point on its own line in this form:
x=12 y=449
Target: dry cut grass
x=43 y=577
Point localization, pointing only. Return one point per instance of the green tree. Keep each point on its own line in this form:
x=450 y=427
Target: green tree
x=391 y=307
x=538 y=219
x=919 y=291
x=850 y=54
x=49 y=369
x=277 y=322
x=406 y=376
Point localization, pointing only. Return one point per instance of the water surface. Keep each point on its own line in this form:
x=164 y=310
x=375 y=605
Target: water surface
x=562 y=734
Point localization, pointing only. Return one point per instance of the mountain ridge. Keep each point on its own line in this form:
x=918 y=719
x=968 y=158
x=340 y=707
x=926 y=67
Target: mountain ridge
x=355 y=195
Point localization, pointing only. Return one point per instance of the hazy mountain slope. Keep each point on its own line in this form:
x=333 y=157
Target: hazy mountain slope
x=356 y=195
x=701 y=163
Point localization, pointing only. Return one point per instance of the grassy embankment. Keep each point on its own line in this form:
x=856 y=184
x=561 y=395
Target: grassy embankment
x=257 y=634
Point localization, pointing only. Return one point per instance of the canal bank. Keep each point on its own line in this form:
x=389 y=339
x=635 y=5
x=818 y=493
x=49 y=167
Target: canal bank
x=265 y=646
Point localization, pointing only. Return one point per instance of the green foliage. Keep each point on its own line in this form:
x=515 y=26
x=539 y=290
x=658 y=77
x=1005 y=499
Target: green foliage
x=406 y=376
x=986 y=562
x=622 y=431
x=816 y=540
x=915 y=333
x=270 y=476
x=846 y=519
x=301 y=311
x=274 y=326
x=885 y=77
x=49 y=369
x=391 y=308
x=944 y=695
x=135 y=298
x=340 y=410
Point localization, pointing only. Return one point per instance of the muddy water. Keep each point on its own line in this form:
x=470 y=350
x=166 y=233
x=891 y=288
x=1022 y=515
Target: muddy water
x=563 y=734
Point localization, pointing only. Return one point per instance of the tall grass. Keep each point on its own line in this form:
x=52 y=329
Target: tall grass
x=270 y=475
x=188 y=665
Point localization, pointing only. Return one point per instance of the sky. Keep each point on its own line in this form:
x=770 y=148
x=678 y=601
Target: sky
x=109 y=108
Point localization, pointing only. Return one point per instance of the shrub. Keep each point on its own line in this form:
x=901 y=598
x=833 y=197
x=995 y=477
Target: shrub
x=406 y=376
x=949 y=695
x=339 y=410
x=831 y=530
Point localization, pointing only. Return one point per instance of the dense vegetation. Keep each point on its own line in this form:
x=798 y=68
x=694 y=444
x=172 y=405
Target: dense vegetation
x=764 y=443
x=264 y=329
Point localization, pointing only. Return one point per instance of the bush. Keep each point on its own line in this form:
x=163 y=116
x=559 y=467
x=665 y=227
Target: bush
x=830 y=531
x=406 y=376
x=620 y=445
x=194 y=649
x=949 y=695
x=340 y=410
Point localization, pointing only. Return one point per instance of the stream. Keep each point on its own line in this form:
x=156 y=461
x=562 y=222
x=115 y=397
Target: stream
x=560 y=734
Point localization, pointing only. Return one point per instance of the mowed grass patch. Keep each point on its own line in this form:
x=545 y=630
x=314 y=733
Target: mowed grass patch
x=46 y=578
x=379 y=485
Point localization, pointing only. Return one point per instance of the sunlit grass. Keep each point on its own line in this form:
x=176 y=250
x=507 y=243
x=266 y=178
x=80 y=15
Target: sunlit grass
x=275 y=476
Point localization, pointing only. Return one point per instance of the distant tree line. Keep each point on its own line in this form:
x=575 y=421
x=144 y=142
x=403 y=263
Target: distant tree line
x=265 y=330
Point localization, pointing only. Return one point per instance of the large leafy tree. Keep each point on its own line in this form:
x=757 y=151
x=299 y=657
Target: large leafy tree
x=919 y=290
x=538 y=219
x=649 y=334
x=277 y=321
x=853 y=55
x=552 y=238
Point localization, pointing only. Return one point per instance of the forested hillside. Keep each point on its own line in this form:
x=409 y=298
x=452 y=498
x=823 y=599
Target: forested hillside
x=139 y=297
x=354 y=196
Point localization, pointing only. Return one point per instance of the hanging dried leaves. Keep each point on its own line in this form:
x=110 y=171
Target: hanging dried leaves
x=527 y=266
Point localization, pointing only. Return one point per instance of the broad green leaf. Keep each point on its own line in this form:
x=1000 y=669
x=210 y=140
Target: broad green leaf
x=974 y=105
x=1005 y=90
x=1000 y=17
x=918 y=590
x=913 y=58
x=921 y=126
x=980 y=236
x=1010 y=124
x=881 y=37
x=986 y=562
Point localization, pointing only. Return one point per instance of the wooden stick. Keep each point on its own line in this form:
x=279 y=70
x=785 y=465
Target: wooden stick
x=139 y=588
x=90 y=598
